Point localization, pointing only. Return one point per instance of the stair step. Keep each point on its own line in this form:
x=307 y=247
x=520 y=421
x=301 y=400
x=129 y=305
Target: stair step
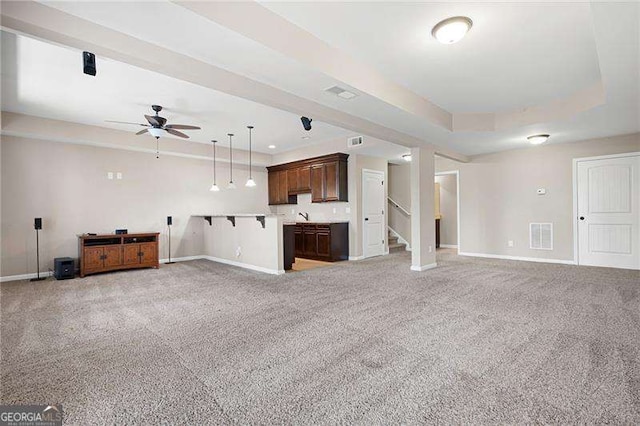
x=397 y=247
x=392 y=240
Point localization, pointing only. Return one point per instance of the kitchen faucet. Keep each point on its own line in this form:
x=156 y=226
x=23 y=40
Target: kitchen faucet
x=305 y=215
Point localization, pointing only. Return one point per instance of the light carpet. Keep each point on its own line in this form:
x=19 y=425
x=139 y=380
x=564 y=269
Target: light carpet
x=367 y=342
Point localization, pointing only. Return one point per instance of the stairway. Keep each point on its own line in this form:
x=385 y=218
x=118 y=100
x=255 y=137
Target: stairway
x=394 y=245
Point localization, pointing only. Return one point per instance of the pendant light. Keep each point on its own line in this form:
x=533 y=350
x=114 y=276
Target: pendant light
x=231 y=184
x=250 y=182
x=214 y=187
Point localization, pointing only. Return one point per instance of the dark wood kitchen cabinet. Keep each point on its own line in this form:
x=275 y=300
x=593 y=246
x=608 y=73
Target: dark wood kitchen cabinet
x=322 y=241
x=324 y=177
x=279 y=188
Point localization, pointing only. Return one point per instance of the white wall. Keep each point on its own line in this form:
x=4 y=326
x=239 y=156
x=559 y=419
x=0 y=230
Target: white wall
x=246 y=244
x=498 y=196
x=66 y=184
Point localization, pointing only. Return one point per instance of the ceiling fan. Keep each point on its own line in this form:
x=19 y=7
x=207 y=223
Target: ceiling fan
x=158 y=125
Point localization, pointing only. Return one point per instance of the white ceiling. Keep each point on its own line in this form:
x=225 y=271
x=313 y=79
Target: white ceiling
x=45 y=80
x=517 y=55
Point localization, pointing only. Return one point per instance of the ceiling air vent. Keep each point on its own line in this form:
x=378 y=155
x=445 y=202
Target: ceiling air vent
x=339 y=91
x=541 y=236
x=354 y=141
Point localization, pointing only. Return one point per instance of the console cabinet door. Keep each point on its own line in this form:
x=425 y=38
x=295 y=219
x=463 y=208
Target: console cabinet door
x=149 y=252
x=299 y=242
x=92 y=258
x=112 y=256
x=131 y=256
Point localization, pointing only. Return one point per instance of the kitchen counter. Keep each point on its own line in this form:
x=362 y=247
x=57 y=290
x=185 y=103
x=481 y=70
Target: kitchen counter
x=327 y=222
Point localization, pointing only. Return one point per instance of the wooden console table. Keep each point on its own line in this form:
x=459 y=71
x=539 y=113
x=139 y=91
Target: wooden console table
x=112 y=252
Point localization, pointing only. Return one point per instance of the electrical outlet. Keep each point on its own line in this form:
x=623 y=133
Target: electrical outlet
x=109 y=175
x=118 y=175
x=293 y=211
x=347 y=210
x=335 y=210
x=510 y=243
x=430 y=249
x=238 y=252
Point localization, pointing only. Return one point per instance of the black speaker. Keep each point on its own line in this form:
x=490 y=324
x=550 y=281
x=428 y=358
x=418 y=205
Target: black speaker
x=169 y=220
x=89 y=62
x=64 y=268
x=37 y=223
x=306 y=123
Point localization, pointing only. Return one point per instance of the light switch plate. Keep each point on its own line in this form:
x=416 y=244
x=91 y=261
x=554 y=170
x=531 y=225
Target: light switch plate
x=109 y=175
x=510 y=243
x=347 y=210
x=118 y=175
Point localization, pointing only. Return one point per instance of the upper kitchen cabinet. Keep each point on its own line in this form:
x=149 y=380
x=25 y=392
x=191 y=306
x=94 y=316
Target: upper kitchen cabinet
x=324 y=177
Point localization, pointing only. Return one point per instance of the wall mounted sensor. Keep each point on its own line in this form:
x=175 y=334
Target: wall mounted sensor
x=306 y=123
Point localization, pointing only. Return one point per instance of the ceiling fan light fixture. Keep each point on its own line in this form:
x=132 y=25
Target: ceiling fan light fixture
x=538 y=139
x=155 y=132
x=452 y=30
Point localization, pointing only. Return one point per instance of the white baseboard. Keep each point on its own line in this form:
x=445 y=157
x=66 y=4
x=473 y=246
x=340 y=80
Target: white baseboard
x=182 y=259
x=423 y=267
x=244 y=265
x=356 y=257
x=448 y=246
x=25 y=276
x=522 y=258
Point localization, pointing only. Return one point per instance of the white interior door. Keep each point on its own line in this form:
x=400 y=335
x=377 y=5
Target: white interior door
x=609 y=212
x=373 y=201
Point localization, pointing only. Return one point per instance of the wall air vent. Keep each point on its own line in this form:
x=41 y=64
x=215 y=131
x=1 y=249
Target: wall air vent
x=339 y=91
x=541 y=236
x=355 y=141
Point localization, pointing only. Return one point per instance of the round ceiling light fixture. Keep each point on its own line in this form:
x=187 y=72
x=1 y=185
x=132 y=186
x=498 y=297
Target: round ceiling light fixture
x=272 y=147
x=537 y=139
x=452 y=30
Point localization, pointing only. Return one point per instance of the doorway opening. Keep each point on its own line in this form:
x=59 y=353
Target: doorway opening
x=447 y=209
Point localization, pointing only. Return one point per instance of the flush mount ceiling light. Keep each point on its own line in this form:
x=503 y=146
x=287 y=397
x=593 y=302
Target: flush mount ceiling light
x=452 y=30
x=272 y=147
x=406 y=157
x=537 y=139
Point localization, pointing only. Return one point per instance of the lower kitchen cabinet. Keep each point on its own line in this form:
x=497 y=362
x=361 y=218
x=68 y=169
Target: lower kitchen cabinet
x=322 y=241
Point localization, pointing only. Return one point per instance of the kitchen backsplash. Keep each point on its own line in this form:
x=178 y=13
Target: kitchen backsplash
x=318 y=212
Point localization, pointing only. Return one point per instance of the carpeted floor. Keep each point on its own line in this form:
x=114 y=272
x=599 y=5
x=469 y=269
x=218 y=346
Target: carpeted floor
x=369 y=342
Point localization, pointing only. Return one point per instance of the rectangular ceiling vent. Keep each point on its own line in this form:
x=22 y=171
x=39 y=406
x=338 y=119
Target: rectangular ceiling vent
x=355 y=141
x=541 y=236
x=339 y=91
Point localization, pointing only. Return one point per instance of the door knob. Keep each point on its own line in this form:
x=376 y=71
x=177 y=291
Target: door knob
x=366 y=218
x=581 y=217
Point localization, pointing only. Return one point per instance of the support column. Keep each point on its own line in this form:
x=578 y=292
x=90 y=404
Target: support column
x=423 y=232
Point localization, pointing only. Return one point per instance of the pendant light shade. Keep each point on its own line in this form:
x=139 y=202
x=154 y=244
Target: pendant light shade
x=231 y=184
x=214 y=186
x=250 y=182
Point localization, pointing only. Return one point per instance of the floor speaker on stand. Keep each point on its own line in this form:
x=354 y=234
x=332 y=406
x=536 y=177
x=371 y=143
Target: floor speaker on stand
x=169 y=223
x=37 y=224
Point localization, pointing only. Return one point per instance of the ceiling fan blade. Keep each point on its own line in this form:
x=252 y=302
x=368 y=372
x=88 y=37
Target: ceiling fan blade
x=152 y=120
x=126 y=122
x=177 y=133
x=181 y=126
x=142 y=131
